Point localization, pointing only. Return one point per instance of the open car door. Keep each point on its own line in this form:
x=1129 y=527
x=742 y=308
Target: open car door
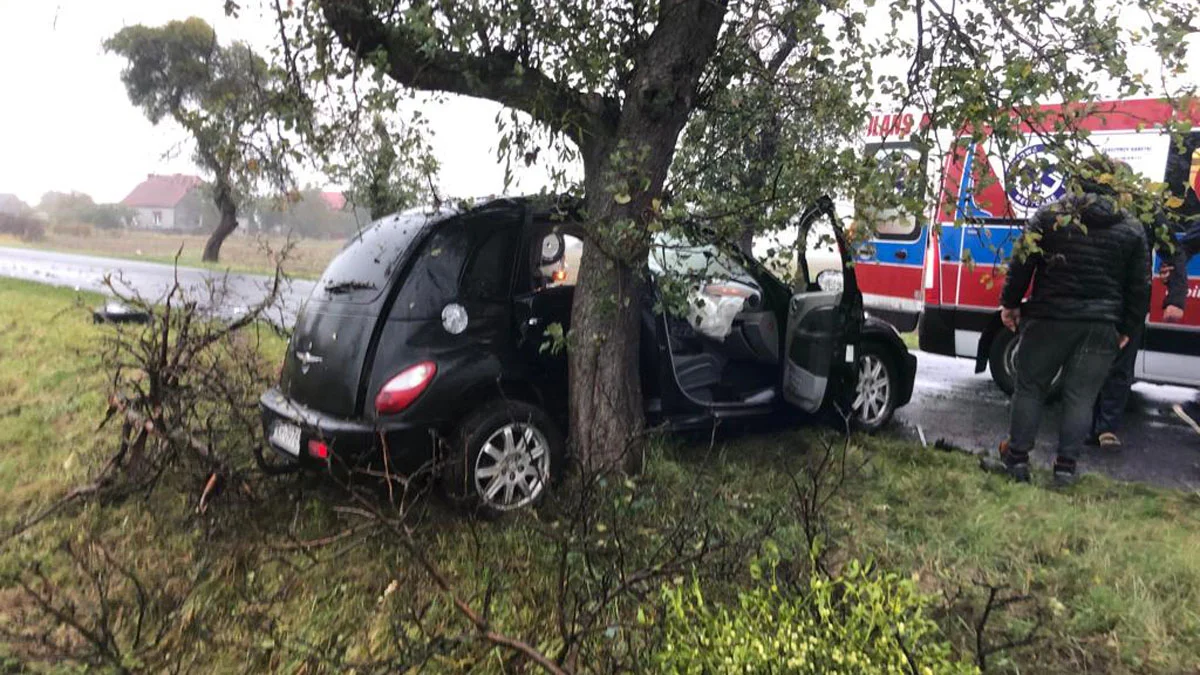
x=823 y=325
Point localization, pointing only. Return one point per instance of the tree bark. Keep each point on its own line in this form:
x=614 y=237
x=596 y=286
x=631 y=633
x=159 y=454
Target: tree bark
x=227 y=205
x=606 y=392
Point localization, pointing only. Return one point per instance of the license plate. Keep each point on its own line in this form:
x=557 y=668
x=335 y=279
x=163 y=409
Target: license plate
x=286 y=437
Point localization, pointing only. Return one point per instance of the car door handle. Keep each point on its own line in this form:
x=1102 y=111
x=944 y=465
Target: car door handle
x=901 y=255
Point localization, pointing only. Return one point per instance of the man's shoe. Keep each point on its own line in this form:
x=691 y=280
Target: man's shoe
x=1014 y=466
x=1109 y=441
x=1189 y=413
x=1064 y=473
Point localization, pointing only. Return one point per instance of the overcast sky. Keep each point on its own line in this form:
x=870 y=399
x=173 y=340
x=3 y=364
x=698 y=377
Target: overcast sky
x=66 y=124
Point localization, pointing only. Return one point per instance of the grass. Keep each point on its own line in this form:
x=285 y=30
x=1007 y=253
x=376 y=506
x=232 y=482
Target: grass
x=240 y=253
x=1114 y=569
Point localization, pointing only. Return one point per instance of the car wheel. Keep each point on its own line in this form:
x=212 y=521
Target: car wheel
x=877 y=389
x=503 y=457
x=1002 y=362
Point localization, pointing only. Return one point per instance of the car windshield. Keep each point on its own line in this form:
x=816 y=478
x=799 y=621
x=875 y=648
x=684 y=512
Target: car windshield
x=362 y=269
x=676 y=255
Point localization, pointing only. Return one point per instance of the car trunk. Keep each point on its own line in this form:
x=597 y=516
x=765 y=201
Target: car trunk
x=325 y=357
x=331 y=341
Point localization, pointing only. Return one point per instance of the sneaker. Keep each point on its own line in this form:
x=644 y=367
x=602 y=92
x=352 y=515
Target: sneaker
x=1189 y=413
x=1015 y=467
x=1109 y=441
x=1064 y=473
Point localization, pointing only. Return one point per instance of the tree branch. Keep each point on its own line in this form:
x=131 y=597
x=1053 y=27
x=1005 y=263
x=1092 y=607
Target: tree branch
x=496 y=74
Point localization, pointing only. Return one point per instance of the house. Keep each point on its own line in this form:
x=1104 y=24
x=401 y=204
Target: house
x=159 y=202
x=336 y=201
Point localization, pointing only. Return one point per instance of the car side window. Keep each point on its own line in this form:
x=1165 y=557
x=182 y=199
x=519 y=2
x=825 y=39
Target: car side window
x=488 y=272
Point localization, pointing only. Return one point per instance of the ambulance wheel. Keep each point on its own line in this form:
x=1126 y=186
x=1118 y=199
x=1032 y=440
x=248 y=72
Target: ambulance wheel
x=1002 y=362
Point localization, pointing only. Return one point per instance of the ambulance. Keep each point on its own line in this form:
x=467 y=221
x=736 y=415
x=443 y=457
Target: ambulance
x=946 y=280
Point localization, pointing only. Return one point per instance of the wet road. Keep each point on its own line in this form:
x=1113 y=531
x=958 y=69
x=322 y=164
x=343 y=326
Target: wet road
x=231 y=293
x=950 y=402
x=969 y=411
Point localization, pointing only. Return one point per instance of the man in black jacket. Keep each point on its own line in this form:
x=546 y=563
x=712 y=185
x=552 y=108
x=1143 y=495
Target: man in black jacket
x=1089 y=265
x=1110 y=405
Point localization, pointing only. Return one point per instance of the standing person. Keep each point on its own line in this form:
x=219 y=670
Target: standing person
x=1091 y=287
x=1189 y=242
x=1110 y=405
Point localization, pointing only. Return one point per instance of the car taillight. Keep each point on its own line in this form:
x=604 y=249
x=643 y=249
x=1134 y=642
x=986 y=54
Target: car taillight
x=404 y=388
x=318 y=449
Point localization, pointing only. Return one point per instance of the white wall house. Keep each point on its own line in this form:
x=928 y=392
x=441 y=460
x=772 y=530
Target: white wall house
x=156 y=201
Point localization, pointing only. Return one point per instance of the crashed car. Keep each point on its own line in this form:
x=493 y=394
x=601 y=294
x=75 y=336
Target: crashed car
x=431 y=336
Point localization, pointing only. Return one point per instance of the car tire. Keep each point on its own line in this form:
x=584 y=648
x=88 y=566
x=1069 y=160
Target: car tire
x=878 y=387
x=504 y=456
x=1002 y=363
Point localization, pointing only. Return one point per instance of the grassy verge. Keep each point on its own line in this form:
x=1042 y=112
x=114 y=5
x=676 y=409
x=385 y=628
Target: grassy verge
x=240 y=253
x=274 y=582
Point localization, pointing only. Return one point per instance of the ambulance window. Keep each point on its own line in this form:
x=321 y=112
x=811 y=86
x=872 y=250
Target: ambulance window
x=900 y=162
x=823 y=263
x=557 y=259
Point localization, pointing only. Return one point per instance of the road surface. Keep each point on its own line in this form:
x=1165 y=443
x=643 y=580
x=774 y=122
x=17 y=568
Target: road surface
x=950 y=401
x=235 y=292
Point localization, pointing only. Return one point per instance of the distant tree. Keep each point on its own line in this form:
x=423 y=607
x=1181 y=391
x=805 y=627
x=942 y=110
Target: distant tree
x=78 y=207
x=306 y=214
x=386 y=183
x=198 y=209
x=225 y=97
x=109 y=216
x=13 y=206
x=64 y=207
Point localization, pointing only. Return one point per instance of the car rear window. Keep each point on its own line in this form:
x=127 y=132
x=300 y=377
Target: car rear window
x=361 y=271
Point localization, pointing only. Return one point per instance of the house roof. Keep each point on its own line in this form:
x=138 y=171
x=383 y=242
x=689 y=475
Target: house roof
x=336 y=201
x=163 y=191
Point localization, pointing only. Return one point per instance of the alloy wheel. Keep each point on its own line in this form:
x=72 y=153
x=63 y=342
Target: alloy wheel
x=874 y=390
x=512 y=467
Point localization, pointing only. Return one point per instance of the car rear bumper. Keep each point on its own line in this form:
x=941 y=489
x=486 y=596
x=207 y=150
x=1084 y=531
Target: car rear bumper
x=351 y=441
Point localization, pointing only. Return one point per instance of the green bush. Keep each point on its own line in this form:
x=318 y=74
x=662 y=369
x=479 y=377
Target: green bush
x=24 y=226
x=864 y=622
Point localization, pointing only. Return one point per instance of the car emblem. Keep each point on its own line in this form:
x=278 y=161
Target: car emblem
x=307 y=359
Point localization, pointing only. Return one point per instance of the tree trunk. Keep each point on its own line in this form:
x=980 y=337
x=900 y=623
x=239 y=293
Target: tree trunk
x=606 y=393
x=624 y=171
x=223 y=197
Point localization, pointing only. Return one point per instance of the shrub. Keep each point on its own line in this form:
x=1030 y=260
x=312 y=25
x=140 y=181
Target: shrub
x=73 y=229
x=863 y=622
x=25 y=227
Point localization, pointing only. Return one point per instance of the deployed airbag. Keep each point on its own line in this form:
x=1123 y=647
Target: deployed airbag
x=713 y=316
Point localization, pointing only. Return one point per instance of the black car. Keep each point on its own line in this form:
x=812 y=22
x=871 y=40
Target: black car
x=430 y=335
